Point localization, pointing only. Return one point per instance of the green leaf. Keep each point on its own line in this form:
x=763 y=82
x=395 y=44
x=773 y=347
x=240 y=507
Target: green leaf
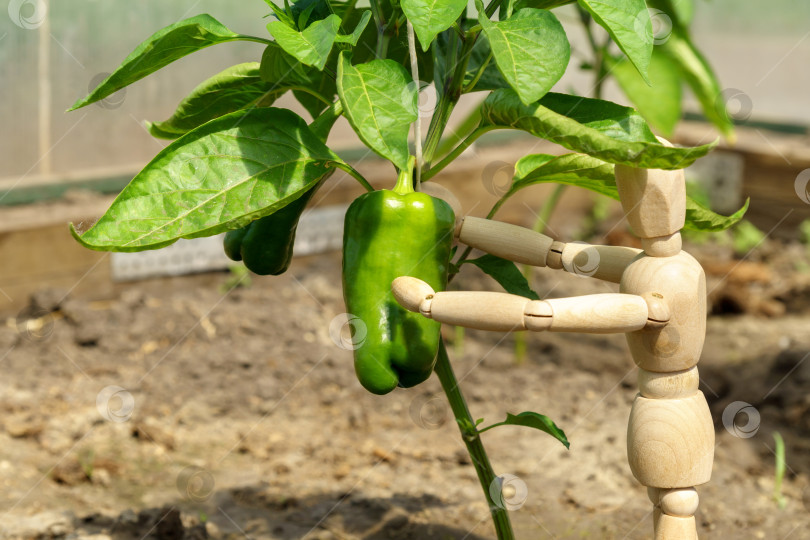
x=281 y=14
x=660 y=103
x=533 y=420
x=599 y=128
x=277 y=66
x=379 y=99
x=628 y=23
x=220 y=176
x=313 y=45
x=530 y=49
x=570 y=169
x=284 y=70
x=429 y=17
x=161 y=49
x=597 y=176
x=700 y=218
x=506 y=273
x=357 y=32
x=235 y=88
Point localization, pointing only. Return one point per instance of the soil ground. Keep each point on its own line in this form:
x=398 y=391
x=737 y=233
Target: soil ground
x=234 y=414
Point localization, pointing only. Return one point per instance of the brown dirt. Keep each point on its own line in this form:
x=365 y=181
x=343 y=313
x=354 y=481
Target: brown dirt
x=246 y=419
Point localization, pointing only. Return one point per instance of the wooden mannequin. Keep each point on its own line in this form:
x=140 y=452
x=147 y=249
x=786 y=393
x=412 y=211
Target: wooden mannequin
x=661 y=308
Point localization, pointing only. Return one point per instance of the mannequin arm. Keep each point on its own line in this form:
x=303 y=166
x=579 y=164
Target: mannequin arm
x=525 y=246
x=596 y=314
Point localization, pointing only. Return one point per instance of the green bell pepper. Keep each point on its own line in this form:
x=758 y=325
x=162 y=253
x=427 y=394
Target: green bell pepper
x=389 y=234
x=266 y=244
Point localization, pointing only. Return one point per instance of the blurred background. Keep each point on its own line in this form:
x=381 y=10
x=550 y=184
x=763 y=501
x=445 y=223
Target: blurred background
x=171 y=393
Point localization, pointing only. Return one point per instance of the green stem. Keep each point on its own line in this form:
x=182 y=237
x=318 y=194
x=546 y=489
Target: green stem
x=312 y=93
x=471 y=438
x=254 y=39
x=451 y=91
x=351 y=171
x=521 y=343
x=382 y=37
x=437 y=124
x=493 y=7
x=548 y=208
x=477 y=77
x=457 y=151
x=599 y=53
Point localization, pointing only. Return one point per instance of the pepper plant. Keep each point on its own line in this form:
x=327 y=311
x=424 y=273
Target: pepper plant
x=238 y=165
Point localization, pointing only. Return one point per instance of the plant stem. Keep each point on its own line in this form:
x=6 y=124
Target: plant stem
x=351 y=171
x=599 y=53
x=477 y=77
x=457 y=151
x=254 y=39
x=382 y=36
x=472 y=440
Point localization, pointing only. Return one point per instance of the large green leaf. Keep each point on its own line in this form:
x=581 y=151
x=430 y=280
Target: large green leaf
x=628 y=23
x=506 y=273
x=429 y=17
x=161 y=49
x=660 y=102
x=593 y=174
x=695 y=69
x=533 y=420
x=595 y=127
x=530 y=49
x=220 y=176
x=379 y=99
x=233 y=89
x=313 y=45
x=569 y=169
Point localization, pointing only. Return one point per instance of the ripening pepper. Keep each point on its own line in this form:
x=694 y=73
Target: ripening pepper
x=266 y=244
x=388 y=234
